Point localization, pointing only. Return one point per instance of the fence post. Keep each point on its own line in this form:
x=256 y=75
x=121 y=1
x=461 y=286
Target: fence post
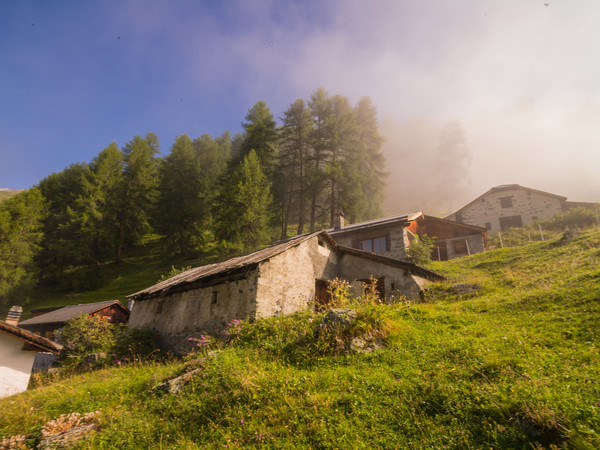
x=468 y=249
x=438 y=249
x=597 y=218
x=541 y=232
x=500 y=236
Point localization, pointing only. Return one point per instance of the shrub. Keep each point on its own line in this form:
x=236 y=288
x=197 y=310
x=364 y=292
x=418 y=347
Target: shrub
x=572 y=218
x=84 y=335
x=421 y=248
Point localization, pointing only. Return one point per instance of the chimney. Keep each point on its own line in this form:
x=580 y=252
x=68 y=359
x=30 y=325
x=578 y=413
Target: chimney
x=14 y=315
x=338 y=222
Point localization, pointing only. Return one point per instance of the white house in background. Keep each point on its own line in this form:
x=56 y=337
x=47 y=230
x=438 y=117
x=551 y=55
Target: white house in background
x=510 y=206
x=18 y=348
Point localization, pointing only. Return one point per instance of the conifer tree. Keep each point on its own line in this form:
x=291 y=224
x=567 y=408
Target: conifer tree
x=21 y=220
x=139 y=191
x=243 y=210
x=294 y=146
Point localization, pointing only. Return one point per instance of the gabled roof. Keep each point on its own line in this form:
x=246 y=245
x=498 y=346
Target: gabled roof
x=230 y=266
x=508 y=187
x=62 y=315
x=190 y=278
x=402 y=219
x=36 y=342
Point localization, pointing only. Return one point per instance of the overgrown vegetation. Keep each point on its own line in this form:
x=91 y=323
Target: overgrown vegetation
x=515 y=365
x=85 y=336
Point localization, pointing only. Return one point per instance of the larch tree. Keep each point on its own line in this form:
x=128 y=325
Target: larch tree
x=243 y=209
x=293 y=152
x=139 y=191
x=179 y=209
x=21 y=232
x=319 y=141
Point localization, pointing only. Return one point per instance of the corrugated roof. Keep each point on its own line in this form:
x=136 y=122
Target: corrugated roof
x=376 y=223
x=38 y=342
x=197 y=273
x=66 y=313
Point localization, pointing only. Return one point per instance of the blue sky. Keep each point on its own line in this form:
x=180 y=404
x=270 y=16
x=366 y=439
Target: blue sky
x=521 y=77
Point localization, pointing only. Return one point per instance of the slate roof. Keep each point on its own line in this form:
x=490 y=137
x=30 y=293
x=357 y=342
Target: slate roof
x=231 y=265
x=38 y=343
x=179 y=282
x=375 y=223
x=62 y=315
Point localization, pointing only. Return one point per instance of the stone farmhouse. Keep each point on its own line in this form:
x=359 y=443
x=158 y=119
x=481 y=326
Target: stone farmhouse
x=511 y=205
x=46 y=321
x=286 y=277
x=392 y=236
x=18 y=349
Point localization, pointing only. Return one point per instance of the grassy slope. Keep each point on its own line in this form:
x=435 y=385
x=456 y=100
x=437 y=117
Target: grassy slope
x=515 y=365
x=136 y=272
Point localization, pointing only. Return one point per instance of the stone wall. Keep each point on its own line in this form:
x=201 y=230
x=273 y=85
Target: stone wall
x=399 y=283
x=527 y=204
x=456 y=247
x=287 y=281
x=180 y=316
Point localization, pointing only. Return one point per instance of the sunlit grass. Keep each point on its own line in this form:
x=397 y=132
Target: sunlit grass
x=515 y=366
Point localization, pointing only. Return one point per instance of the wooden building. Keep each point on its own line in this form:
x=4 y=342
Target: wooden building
x=392 y=236
x=46 y=321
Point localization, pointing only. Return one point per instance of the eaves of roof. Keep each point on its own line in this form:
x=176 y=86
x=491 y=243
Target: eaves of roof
x=37 y=342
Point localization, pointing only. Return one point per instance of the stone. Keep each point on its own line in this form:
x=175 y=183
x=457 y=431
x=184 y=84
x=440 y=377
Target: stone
x=175 y=385
x=338 y=319
x=67 y=439
x=465 y=289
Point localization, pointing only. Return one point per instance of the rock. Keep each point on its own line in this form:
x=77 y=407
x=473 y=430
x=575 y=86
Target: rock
x=67 y=439
x=175 y=385
x=93 y=359
x=361 y=345
x=338 y=319
x=465 y=289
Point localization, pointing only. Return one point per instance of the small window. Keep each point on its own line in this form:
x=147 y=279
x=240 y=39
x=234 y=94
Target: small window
x=375 y=245
x=488 y=226
x=506 y=202
x=214 y=297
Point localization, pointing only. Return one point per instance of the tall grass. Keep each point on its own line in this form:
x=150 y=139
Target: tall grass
x=514 y=366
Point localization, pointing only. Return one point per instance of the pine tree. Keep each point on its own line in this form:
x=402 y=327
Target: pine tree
x=93 y=214
x=294 y=133
x=179 y=211
x=21 y=219
x=139 y=191
x=319 y=139
x=242 y=210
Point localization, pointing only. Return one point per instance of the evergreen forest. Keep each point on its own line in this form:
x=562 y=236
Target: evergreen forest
x=232 y=194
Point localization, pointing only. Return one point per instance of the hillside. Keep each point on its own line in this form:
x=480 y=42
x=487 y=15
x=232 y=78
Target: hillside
x=515 y=365
x=7 y=193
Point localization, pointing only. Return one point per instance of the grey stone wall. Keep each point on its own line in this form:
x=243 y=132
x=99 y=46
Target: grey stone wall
x=287 y=281
x=180 y=316
x=399 y=283
x=529 y=205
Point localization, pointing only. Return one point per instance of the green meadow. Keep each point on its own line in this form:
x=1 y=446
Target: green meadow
x=514 y=365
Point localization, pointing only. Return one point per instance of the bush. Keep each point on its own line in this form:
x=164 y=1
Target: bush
x=572 y=218
x=421 y=248
x=84 y=335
